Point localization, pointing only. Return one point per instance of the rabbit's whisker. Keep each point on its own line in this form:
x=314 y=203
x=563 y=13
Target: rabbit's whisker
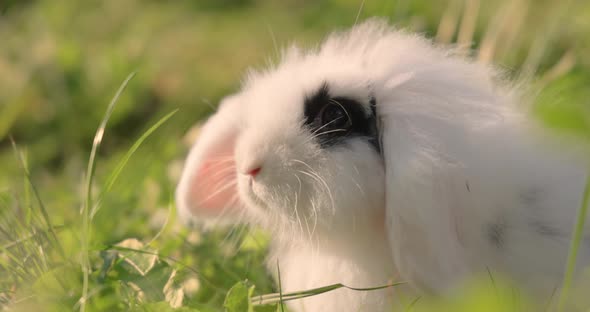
x=323 y=183
x=224 y=171
x=218 y=191
x=329 y=131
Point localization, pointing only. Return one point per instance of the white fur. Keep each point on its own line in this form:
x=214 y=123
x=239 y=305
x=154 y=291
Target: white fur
x=461 y=163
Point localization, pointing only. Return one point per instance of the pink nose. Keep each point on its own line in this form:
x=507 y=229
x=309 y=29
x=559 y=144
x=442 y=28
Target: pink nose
x=254 y=171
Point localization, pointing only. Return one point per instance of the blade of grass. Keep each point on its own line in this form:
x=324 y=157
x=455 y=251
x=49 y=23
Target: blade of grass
x=94 y=292
x=18 y=264
x=42 y=208
x=448 y=22
x=279 y=273
x=574 y=248
x=27 y=202
x=467 y=25
x=281 y=297
x=115 y=174
x=413 y=303
x=493 y=281
x=163 y=226
x=85 y=235
x=550 y=301
x=27 y=238
x=23 y=228
x=9 y=113
x=542 y=41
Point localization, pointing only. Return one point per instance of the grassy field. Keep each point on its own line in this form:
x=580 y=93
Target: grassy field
x=102 y=235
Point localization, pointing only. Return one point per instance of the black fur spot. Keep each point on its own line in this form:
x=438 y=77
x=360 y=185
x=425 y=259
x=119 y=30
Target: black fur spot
x=531 y=197
x=545 y=229
x=360 y=123
x=496 y=233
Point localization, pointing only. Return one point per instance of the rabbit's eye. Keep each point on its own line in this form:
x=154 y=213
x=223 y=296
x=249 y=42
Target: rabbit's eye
x=334 y=117
x=333 y=120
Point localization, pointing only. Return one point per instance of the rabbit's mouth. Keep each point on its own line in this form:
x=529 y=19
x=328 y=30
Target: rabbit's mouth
x=252 y=193
x=262 y=194
x=280 y=192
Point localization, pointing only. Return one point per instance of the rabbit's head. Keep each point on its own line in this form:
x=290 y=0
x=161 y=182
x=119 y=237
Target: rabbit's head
x=308 y=142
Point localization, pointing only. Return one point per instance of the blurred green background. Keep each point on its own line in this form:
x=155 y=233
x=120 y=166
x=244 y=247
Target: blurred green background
x=62 y=61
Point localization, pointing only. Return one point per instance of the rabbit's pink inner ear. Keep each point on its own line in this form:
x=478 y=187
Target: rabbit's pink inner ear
x=213 y=187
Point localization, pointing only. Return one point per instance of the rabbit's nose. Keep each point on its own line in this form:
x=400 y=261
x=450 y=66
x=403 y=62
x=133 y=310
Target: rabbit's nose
x=251 y=167
x=254 y=172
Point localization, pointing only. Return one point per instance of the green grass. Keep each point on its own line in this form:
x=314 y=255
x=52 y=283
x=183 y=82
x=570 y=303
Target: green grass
x=61 y=62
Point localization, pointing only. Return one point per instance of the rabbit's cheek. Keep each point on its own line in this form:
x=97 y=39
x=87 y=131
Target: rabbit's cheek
x=269 y=189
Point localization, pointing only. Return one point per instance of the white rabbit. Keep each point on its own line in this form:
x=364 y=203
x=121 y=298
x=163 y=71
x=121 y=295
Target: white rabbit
x=380 y=157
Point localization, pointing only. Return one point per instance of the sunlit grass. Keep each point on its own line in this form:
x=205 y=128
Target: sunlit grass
x=59 y=64
x=574 y=248
x=88 y=200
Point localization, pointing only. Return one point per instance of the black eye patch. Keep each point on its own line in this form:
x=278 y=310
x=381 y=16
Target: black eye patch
x=334 y=119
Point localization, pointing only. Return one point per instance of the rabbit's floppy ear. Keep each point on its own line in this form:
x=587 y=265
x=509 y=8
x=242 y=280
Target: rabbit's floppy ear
x=208 y=186
x=421 y=212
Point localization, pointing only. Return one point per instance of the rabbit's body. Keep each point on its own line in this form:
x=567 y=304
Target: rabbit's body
x=503 y=203
x=380 y=158
x=360 y=260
